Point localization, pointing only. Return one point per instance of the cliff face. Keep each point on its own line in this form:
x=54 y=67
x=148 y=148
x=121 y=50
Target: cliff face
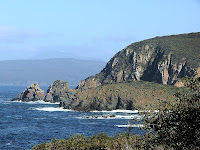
x=59 y=91
x=161 y=60
x=32 y=93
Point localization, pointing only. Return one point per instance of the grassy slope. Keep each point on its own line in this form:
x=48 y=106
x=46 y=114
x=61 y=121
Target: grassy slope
x=140 y=92
x=181 y=46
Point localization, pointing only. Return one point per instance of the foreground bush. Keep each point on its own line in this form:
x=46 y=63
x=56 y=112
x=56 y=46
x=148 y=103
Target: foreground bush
x=100 y=141
x=124 y=141
x=177 y=124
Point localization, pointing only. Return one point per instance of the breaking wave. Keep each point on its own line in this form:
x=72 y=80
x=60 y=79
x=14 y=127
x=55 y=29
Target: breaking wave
x=50 y=109
x=130 y=126
x=36 y=102
x=137 y=117
x=118 y=111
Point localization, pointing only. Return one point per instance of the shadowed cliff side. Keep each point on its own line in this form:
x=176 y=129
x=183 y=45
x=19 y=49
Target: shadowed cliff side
x=162 y=60
x=59 y=91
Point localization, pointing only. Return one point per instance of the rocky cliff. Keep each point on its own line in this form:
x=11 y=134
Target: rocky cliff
x=59 y=91
x=32 y=93
x=162 y=60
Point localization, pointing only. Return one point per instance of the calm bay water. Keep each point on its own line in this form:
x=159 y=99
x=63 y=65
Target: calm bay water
x=23 y=125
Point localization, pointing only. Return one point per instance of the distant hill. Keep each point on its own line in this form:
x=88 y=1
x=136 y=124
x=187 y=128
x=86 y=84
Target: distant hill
x=162 y=60
x=25 y=72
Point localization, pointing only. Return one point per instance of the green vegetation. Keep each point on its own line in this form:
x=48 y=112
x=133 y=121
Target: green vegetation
x=124 y=95
x=123 y=141
x=100 y=141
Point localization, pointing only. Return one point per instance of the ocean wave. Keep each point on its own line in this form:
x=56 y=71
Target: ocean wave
x=6 y=102
x=128 y=117
x=50 y=109
x=39 y=118
x=130 y=126
x=36 y=102
x=137 y=117
x=118 y=111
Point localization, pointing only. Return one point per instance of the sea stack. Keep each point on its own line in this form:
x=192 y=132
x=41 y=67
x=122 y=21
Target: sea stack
x=59 y=91
x=31 y=93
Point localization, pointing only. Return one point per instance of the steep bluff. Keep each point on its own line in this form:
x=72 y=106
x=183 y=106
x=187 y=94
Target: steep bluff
x=162 y=60
x=31 y=93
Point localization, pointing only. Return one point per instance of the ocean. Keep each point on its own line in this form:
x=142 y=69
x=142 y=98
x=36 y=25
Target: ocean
x=23 y=125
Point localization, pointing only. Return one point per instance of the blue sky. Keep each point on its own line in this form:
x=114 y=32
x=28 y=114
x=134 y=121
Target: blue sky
x=88 y=29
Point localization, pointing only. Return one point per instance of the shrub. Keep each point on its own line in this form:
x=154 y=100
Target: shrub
x=177 y=124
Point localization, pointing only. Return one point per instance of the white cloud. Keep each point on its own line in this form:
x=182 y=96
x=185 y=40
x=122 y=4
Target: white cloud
x=14 y=34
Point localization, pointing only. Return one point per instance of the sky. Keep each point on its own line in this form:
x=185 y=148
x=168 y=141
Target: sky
x=88 y=29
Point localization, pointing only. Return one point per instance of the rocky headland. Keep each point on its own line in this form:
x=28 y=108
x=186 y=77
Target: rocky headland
x=31 y=93
x=141 y=73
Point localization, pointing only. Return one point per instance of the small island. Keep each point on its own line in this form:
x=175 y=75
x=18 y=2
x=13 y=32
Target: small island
x=31 y=93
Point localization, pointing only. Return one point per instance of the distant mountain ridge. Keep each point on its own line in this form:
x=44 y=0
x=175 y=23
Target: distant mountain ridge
x=162 y=60
x=45 y=71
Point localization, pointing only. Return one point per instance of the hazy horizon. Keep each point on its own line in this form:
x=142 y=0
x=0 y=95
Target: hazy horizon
x=46 y=71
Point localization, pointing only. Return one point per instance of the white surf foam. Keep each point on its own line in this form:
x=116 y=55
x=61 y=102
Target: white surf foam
x=50 y=109
x=36 y=102
x=96 y=117
x=130 y=126
x=118 y=111
x=128 y=117
x=112 y=117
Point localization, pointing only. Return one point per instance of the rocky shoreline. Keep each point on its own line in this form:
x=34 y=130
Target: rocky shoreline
x=124 y=96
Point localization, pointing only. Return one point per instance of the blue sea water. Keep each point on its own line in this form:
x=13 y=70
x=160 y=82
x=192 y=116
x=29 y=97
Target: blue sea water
x=23 y=125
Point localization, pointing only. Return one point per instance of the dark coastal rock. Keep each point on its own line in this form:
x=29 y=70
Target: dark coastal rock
x=32 y=93
x=59 y=91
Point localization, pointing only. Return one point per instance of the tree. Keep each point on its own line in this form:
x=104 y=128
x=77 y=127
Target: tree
x=177 y=124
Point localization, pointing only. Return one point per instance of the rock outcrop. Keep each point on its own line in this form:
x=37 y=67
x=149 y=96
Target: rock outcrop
x=162 y=60
x=59 y=91
x=32 y=93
